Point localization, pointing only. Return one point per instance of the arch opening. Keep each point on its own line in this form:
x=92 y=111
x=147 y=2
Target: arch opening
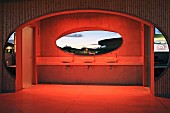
x=43 y=57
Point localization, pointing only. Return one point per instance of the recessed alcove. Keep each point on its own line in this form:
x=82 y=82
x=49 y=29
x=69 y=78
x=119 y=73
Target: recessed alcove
x=119 y=57
x=88 y=65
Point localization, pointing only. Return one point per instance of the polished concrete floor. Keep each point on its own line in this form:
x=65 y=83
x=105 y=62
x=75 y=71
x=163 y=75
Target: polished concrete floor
x=83 y=99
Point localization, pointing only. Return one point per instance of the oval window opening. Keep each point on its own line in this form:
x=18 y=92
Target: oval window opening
x=90 y=42
x=161 y=53
x=10 y=54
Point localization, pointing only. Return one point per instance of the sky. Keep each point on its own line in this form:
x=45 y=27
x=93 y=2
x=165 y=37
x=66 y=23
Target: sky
x=157 y=31
x=87 y=39
x=12 y=36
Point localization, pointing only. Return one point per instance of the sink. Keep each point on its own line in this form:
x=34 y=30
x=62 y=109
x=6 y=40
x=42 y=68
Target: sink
x=111 y=59
x=88 y=59
x=66 y=59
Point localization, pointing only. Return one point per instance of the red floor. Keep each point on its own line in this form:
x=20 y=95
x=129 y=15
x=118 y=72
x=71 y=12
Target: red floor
x=83 y=99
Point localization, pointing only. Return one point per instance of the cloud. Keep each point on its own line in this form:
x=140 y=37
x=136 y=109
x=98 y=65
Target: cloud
x=74 y=35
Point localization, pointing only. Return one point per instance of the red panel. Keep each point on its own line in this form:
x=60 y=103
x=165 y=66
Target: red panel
x=120 y=75
x=36 y=26
x=18 y=60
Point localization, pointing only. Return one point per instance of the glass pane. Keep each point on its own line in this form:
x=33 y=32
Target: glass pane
x=90 y=42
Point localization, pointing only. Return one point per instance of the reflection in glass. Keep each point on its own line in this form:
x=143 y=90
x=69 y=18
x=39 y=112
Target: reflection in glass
x=10 y=54
x=90 y=42
x=161 y=53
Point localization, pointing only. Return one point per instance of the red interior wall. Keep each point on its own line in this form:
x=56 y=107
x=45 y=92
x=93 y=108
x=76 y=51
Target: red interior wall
x=93 y=75
x=52 y=28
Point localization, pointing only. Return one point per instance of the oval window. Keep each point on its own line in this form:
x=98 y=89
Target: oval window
x=10 y=53
x=90 y=42
x=161 y=53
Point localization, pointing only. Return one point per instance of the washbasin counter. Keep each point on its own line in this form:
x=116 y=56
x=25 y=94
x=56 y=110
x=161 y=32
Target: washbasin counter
x=121 y=60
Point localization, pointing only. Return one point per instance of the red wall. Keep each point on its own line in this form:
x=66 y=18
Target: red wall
x=93 y=75
x=52 y=28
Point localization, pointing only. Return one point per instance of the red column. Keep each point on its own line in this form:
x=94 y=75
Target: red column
x=152 y=60
x=18 y=81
